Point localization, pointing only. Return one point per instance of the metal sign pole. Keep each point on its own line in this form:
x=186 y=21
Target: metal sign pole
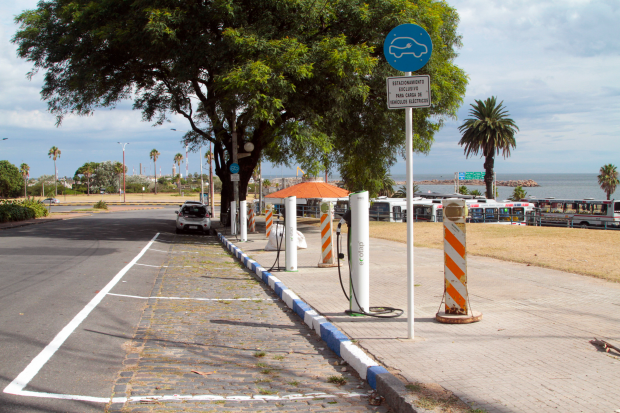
x=408 y=48
x=410 y=219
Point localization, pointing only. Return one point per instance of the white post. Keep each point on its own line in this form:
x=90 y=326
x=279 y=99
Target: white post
x=243 y=220
x=290 y=232
x=410 y=217
x=360 y=239
x=233 y=218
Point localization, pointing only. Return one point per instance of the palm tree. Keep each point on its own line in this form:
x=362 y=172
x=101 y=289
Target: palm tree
x=463 y=190
x=118 y=170
x=387 y=186
x=88 y=172
x=488 y=132
x=54 y=153
x=475 y=192
x=25 y=170
x=402 y=191
x=177 y=159
x=518 y=194
x=154 y=155
x=608 y=179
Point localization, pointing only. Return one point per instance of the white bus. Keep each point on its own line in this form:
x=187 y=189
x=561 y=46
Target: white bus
x=486 y=211
x=582 y=213
x=388 y=209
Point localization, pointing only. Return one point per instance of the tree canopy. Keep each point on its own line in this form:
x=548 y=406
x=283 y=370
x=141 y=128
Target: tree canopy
x=488 y=131
x=608 y=179
x=11 y=181
x=304 y=81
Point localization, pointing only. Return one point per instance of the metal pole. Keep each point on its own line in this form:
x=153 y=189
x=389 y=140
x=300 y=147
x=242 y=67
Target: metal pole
x=260 y=188
x=126 y=143
x=410 y=219
x=202 y=184
x=211 y=190
x=235 y=159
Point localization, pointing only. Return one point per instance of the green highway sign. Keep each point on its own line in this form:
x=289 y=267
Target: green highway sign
x=467 y=176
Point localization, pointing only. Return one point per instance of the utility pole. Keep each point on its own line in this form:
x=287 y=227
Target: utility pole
x=124 y=192
x=260 y=187
x=211 y=190
x=202 y=184
x=235 y=158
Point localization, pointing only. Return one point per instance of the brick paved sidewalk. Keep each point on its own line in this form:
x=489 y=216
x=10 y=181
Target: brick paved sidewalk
x=530 y=353
x=250 y=351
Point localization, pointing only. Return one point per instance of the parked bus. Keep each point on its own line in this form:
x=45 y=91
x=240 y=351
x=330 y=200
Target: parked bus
x=388 y=209
x=582 y=213
x=479 y=211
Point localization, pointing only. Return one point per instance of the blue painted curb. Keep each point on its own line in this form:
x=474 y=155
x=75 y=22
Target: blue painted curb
x=338 y=342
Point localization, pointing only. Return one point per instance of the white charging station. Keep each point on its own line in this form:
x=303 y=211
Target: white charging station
x=359 y=252
x=290 y=232
x=243 y=221
x=233 y=218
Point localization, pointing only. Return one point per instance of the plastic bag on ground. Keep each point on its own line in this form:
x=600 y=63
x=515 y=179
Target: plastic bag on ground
x=275 y=238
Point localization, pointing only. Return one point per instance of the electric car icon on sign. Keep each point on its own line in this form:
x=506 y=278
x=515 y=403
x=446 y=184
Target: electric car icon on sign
x=406 y=45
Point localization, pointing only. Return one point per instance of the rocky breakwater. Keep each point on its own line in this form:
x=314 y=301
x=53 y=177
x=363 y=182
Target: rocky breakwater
x=525 y=183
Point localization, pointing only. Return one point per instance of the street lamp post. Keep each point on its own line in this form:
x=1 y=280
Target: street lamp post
x=125 y=143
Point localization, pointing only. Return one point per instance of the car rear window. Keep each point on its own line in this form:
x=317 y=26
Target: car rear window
x=194 y=211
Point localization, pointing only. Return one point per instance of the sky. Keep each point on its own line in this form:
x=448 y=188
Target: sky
x=554 y=64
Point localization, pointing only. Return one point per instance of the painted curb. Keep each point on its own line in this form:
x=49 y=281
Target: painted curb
x=377 y=376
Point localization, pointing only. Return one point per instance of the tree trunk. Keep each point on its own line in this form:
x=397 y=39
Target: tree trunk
x=489 y=163
x=55 y=183
x=155 y=163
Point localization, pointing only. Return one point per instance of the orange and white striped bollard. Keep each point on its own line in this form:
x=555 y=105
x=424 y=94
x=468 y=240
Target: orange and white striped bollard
x=268 y=220
x=327 y=245
x=251 y=220
x=456 y=297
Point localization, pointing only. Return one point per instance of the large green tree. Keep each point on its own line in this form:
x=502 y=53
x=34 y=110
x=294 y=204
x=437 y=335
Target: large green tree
x=490 y=130
x=608 y=179
x=10 y=180
x=297 y=78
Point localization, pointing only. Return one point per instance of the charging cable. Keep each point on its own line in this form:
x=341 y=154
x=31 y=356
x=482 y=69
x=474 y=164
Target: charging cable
x=379 y=312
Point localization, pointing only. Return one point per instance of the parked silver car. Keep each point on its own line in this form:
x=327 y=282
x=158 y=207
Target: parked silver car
x=192 y=217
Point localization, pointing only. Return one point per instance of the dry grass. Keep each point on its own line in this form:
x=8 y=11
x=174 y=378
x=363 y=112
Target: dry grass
x=582 y=251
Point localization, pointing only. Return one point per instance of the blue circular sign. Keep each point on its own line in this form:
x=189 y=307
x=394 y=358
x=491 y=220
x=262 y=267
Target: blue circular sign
x=234 y=168
x=408 y=47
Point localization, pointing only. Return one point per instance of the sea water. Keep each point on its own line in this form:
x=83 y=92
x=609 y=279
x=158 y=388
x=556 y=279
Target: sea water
x=560 y=186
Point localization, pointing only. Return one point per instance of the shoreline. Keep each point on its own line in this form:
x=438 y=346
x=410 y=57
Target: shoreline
x=524 y=183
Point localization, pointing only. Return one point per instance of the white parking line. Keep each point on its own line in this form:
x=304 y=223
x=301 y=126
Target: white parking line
x=193 y=252
x=196 y=397
x=191 y=298
x=22 y=380
x=168 y=266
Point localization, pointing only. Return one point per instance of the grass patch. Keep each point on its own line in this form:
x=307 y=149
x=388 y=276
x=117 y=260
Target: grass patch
x=279 y=358
x=260 y=354
x=339 y=380
x=293 y=383
x=581 y=251
x=265 y=391
x=265 y=380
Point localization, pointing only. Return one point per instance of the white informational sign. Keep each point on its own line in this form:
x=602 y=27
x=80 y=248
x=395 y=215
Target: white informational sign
x=234 y=177
x=409 y=92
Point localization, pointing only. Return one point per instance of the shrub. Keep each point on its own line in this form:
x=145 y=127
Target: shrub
x=100 y=205
x=21 y=210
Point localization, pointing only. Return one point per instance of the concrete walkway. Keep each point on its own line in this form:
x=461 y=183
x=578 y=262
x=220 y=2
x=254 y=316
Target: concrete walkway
x=530 y=353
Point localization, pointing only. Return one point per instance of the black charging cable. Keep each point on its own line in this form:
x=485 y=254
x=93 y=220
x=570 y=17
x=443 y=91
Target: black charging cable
x=379 y=311
x=278 y=248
